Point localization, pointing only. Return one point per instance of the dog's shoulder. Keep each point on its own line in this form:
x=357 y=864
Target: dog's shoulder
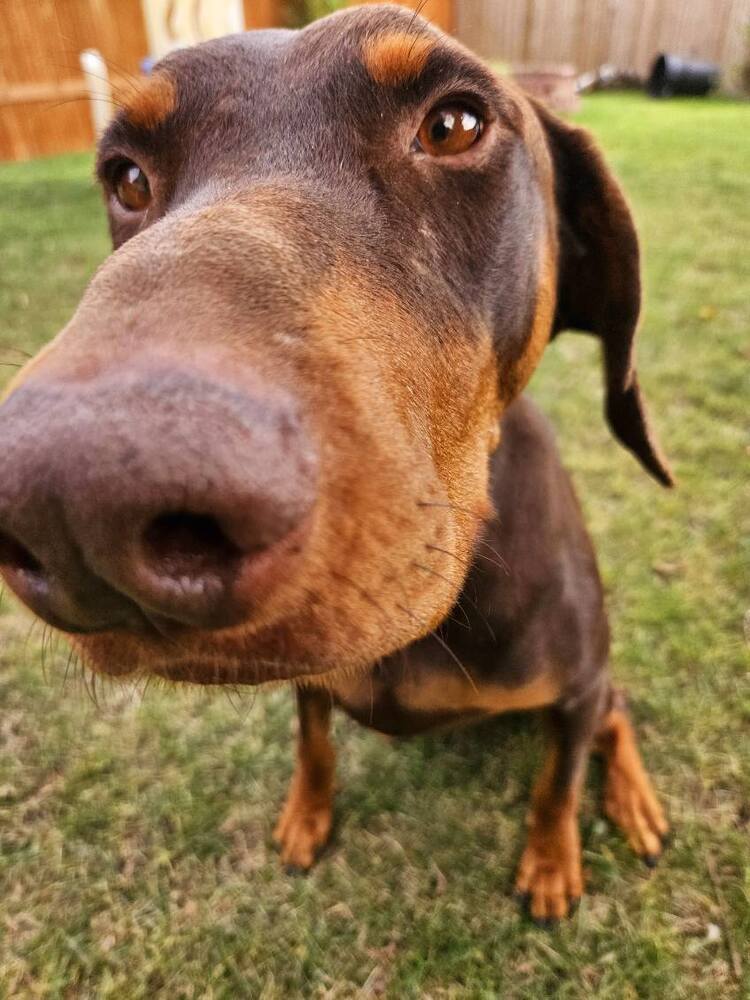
x=528 y=482
x=535 y=568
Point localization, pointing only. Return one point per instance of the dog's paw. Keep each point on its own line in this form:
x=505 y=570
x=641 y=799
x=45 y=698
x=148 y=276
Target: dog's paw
x=550 y=878
x=303 y=828
x=631 y=804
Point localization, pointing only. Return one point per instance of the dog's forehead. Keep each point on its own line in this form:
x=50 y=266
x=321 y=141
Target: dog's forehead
x=344 y=71
x=381 y=44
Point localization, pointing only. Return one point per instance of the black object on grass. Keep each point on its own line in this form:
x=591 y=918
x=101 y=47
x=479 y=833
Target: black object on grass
x=672 y=76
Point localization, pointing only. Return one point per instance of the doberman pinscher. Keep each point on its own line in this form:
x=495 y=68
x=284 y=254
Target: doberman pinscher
x=282 y=437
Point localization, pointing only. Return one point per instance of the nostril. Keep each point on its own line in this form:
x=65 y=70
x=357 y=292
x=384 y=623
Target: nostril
x=16 y=557
x=183 y=544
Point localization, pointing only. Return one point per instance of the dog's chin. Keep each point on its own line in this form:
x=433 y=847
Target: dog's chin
x=301 y=647
x=210 y=672
x=216 y=671
x=124 y=658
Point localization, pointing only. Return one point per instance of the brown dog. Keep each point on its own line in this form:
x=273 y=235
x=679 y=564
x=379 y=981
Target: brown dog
x=267 y=445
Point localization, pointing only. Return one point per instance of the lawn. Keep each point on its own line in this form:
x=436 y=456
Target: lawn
x=135 y=855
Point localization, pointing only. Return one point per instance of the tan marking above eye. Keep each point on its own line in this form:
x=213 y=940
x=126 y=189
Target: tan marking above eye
x=131 y=187
x=148 y=103
x=396 y=57
x=449 y=129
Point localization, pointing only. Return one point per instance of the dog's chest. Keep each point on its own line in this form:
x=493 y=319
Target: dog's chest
x=404 y=696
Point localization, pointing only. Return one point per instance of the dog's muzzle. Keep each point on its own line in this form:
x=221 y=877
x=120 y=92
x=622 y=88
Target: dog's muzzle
x=152 y=500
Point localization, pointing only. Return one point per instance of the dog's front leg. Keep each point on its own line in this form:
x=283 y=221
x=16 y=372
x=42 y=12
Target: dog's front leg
x=629 y=797
x=549 y=874
x=305 y=821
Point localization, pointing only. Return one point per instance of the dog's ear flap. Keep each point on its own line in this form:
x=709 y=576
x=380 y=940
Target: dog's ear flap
x=599 y=286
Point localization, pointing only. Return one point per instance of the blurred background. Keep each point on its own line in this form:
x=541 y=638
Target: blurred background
x=549 y=43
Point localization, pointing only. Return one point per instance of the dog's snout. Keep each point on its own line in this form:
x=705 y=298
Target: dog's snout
x=152 y=500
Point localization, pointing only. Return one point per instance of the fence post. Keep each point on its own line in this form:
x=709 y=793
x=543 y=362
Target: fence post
x=99 y=87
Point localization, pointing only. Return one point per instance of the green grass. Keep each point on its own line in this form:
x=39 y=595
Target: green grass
x=134 y=838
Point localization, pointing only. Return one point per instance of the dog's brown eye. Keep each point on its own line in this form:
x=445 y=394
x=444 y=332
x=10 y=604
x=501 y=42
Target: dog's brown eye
x=449 y=129
x=132 y=187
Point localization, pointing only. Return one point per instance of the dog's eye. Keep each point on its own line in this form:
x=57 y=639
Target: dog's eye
x=449 y=129
x=131 y=187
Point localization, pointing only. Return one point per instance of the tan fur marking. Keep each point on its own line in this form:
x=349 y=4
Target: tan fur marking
x=456 y=693
x=305 y=821
x=150 y=102
x=541 y=327
x=544 y=313
x=396 y=57
x=629 y=797
x=550 y=868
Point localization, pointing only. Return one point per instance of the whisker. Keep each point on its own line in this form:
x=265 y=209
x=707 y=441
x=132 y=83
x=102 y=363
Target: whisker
x=445 y=646
x=453 y=656
x=501 y=563
x=417 y=11
x=487 y=519
x=67 y=668
x=117 y=82
x=89 y=683
x=86 y=97
x=428 y=569
x=360 y=590
x=43 y=654
x=447 y=552
x=146 y=685
x=27 y=640
x=73 y=55
x=473 y=601
x=235 y=697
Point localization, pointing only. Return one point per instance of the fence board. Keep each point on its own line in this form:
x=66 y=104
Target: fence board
x=42 y=112
x=627 y=33
x=40 y=41
x=438 y=11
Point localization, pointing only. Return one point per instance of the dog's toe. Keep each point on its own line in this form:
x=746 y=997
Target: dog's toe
x=300 y=833
x=550 y=880
x=630 y=803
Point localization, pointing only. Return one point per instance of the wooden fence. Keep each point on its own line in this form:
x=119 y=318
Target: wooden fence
x=43 y=105
x=626 y=33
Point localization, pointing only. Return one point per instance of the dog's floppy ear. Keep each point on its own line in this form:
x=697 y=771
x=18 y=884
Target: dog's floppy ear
x=599 y=286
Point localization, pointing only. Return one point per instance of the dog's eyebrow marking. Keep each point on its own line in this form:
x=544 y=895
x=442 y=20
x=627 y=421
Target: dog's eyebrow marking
x=396 y=57
x=147 y=104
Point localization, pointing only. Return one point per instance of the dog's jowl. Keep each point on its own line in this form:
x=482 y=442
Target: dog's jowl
x=283 y=436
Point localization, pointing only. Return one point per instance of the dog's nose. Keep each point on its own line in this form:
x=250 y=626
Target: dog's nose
x=160 y=499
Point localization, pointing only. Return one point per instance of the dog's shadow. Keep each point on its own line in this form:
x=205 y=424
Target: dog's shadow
x=497 y=758
x=444 y=779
